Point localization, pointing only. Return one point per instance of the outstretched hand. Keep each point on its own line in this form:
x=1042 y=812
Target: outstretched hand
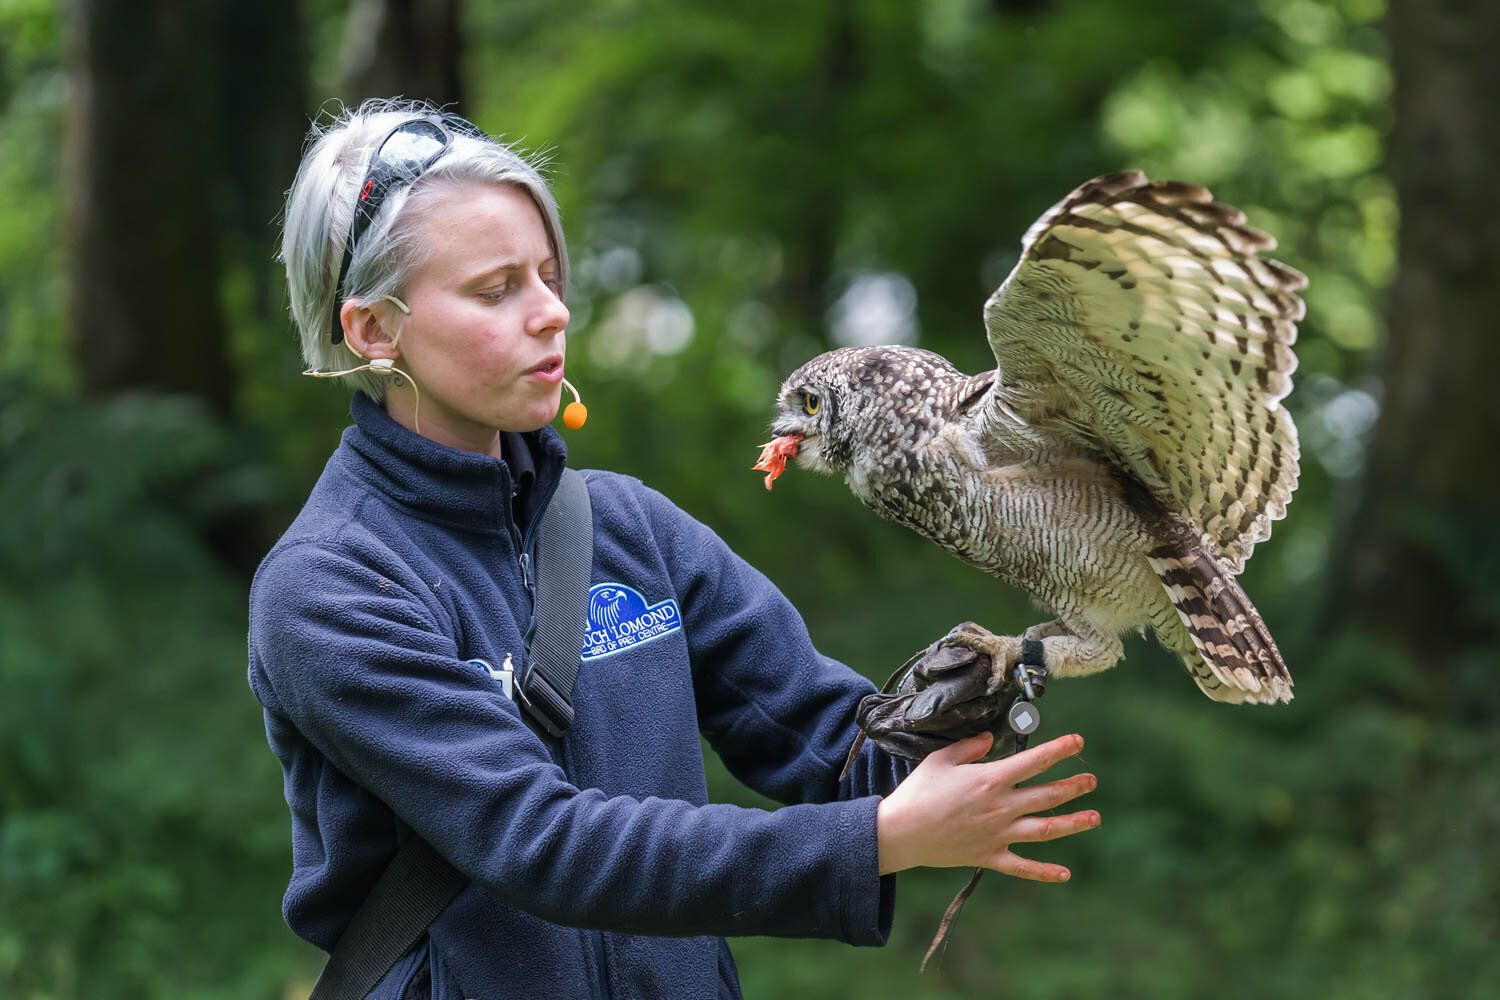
x=951 y=812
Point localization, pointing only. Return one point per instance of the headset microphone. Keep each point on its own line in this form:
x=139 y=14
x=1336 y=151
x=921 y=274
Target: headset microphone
x=576 y=413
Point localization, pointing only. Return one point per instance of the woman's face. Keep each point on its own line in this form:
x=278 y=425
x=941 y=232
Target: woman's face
x=485 y=340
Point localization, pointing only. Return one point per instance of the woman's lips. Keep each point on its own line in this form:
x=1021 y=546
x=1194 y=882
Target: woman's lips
x=550 y=370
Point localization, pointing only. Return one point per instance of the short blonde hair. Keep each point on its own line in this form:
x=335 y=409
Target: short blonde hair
x=320 y=211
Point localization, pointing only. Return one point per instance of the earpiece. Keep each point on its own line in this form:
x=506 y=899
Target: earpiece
x=385 y=366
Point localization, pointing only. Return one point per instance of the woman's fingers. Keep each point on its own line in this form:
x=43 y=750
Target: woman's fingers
x=964 y=751
x=948 y=813
x=1033 y=762
x=1037 y=871
x=1037 y=798
x=1035 y=829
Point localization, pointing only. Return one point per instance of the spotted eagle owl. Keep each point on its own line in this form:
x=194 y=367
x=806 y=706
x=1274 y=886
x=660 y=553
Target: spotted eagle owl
x=1126 y=455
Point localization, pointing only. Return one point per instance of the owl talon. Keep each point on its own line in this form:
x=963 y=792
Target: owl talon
x=966 y=634
x=1005 y=655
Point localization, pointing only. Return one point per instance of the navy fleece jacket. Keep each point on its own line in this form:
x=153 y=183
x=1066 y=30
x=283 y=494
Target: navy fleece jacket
x=378 y=625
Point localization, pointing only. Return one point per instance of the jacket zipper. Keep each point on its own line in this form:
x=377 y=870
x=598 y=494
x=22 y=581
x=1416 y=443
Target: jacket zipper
x=525 y=562
x=598 y=938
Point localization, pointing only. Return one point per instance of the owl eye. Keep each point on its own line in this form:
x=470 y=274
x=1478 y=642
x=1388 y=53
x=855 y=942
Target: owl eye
x=811 y=403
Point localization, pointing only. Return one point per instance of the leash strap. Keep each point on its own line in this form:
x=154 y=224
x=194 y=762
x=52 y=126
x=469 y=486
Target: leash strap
x=1023 y=719
x=419 y=883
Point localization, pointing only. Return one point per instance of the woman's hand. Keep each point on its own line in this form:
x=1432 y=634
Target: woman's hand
x=950 y=812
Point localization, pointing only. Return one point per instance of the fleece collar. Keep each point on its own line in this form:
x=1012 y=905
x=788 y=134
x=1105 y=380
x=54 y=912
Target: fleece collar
x=461 y=488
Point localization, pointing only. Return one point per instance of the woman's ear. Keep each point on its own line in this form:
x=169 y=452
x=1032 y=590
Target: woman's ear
x=364 y=332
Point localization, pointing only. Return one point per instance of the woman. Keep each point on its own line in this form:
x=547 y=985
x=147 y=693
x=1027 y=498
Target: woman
x=383 y=623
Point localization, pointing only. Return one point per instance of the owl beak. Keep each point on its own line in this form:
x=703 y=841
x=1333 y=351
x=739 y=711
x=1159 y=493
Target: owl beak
x=774 y=455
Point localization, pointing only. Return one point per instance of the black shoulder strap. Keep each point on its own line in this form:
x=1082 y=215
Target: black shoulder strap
x=419 y=883
x=415 y=887
x=565 y=564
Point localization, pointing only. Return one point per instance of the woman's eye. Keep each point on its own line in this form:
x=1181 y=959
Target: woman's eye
x=811 y=403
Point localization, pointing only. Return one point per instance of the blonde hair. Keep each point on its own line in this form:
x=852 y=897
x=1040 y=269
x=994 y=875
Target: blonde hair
x=320 y=211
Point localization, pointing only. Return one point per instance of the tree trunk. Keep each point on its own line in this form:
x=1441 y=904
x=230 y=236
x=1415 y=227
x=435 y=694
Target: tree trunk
x=1429 y=499
x=144 y=250
x=812 y=248
x=409 y=48
x=262 y=125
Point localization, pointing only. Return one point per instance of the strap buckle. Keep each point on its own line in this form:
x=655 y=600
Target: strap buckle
x=541 y=700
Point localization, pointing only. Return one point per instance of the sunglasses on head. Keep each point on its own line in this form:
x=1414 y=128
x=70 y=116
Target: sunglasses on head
x=406 y=152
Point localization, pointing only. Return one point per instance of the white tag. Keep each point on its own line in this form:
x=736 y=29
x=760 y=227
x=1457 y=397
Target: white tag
x=505 y=675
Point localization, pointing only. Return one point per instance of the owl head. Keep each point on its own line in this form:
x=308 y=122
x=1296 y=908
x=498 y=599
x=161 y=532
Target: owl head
x=856 y=404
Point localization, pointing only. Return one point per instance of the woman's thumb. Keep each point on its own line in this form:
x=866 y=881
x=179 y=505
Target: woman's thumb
x=966 y=750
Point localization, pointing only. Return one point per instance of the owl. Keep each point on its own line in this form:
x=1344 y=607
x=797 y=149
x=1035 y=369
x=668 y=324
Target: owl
x=1126 y=454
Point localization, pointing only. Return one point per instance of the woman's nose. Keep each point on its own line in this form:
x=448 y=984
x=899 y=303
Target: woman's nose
x=549 y=315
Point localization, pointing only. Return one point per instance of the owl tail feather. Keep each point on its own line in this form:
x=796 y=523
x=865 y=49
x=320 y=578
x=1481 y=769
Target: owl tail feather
x=1227 y=647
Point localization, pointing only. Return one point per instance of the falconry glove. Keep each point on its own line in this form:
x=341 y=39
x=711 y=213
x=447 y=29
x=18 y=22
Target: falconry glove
x=952 y=691
x=949 y=692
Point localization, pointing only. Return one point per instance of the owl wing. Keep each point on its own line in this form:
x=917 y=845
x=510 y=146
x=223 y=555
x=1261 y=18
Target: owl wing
x=1141 y=324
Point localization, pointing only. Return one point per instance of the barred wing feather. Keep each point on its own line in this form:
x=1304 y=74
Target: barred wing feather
x=1141 y=323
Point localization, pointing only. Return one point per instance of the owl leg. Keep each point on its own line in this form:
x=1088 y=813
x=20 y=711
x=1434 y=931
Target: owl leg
x=1078 y=655
x=1067 y=651
x=1047 y=630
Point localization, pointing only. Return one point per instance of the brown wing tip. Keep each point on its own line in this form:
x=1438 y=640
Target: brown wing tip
x=1291 y=279
x=1114 y=184
x=1196 y=203
x=1181 y=192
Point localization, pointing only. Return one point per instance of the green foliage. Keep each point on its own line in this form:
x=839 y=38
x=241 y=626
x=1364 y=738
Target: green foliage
x=32 y=91
x=1290 y=126
x=142 y=841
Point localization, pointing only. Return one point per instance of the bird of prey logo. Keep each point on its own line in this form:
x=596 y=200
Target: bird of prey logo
x=604 y=605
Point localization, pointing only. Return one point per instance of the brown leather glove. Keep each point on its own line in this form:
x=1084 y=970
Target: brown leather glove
x=949 y=694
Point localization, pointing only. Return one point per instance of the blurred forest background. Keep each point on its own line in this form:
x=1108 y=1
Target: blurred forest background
x=743 y=186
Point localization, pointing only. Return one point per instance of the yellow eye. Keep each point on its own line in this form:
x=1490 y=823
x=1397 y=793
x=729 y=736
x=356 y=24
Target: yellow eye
x=811 y=403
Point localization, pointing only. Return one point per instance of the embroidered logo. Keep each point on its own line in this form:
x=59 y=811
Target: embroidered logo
x=619 y=619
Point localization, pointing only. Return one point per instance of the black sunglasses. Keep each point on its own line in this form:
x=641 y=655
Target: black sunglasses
x=406 y=152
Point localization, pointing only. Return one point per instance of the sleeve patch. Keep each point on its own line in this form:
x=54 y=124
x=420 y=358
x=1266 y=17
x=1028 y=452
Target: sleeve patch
x=620 y=619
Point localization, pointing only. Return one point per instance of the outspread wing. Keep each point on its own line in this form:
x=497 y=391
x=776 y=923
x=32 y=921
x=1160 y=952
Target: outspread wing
x=1141 y=323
